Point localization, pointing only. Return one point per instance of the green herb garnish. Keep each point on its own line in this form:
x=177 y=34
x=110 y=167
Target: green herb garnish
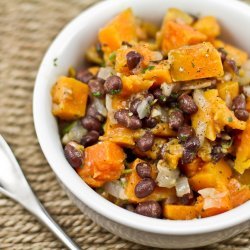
x=96 y=94
x=150 y=67
x=127 y=171
x=112 y=57
x=68 y=127
x=230 y=119
x=114 y=91
x=193 y=65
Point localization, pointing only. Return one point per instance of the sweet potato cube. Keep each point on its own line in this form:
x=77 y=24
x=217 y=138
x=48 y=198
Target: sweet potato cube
x=134 y=84
x=179 y=212
x=209 y=26
x=69 y=98
x=159 y=74
x=103 y=162
x=230 y=89
x=195 y=62
x=176 y=35
x=242 y=161
x=121 y=28
x=179 y=16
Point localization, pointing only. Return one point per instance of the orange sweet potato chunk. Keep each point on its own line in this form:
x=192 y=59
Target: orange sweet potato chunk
x=176 y=35
x=69 y=98
x=209 y=26
x=179 y=212
x=195 y=62
x=103 y=162
x=239 y=193
x=242 y=161
x=121 y=28
x=118 y=134
x=211 y=176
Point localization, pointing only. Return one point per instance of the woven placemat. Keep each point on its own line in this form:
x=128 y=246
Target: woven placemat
x=26 y=29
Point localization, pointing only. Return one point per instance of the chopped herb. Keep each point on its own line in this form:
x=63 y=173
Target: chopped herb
x=114 y=91
x=163 y=98
x=230 y=119
x=55 y=60
x=193 y=65
x=96 y=94
x=112 y=57
x=68 y=127
x=103 y=64
x=127 y=171
x=150 y=67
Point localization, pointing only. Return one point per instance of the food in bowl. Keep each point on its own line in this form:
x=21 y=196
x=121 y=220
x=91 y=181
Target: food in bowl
x=157 y=122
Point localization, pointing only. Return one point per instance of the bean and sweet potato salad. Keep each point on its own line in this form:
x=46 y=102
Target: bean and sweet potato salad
x=158 y=121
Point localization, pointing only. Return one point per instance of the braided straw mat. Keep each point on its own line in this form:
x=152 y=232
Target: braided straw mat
x=27 y=28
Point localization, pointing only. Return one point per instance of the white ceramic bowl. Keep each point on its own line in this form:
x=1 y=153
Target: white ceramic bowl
x=68 y=48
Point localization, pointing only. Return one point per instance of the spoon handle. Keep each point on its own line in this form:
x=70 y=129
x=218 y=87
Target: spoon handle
x=14 y=185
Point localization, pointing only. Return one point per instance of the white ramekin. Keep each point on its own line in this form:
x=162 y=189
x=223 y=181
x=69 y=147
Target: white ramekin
x=68 y=48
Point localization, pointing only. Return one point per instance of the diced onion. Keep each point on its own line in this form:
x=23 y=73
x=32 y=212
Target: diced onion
x=211 y=197
x=143 y=109
x=115 y=189
x=246 y=90
x=201 y=131
x=228 y=100
x=75 y=134
x=155 y=112
x=245 y=79
x=166 y=177
x=99 y=104
x=104 y=73
x=182 y=187
x=167 y=88
x=156 y=56
x=200 y=99
x=196 y=84
x=227 y=77
x=111 y=111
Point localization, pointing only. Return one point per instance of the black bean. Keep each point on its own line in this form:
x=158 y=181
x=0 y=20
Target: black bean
x=185 y=133
x=134 y=105
x=113 y=85
x=162 y=99
x=223 y=54
x=74 y=154
x=143 y=169
x=84 y=75
x=187 y=199
x=149 y=122
x=188 y=156
x=92 y=111
x=239 y=102
x=90 y=139
x=133 y=59
x=217 y=153
x=241 y=114
x=231 y=64
x=91 y=123
x=192 y=144
x=187 y=104
x=146 y=142
x=175 y=119
x=145 y=187
x=96 y=87
x=123 y=117
x=149 y=208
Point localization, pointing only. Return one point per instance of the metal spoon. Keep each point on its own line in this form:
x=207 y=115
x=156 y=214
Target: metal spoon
x=14 y=185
